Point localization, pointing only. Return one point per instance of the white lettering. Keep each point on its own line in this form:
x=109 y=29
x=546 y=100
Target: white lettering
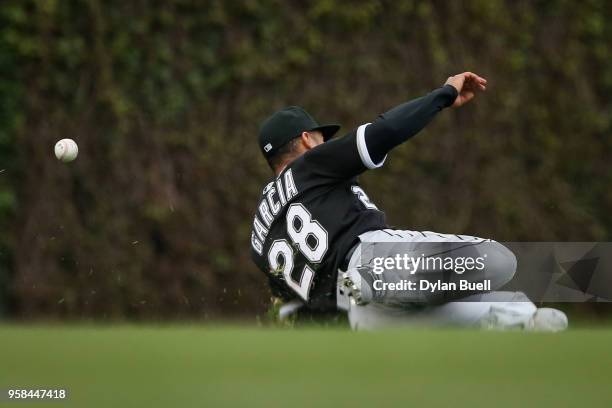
x=274 y=206
x=281 y=193
x=260 y=230
x=290 y=188
x=264 y=210
x=256 y=244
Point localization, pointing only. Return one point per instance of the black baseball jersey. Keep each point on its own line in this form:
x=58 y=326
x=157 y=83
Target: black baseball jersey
x=313 y=212
x=310 y=216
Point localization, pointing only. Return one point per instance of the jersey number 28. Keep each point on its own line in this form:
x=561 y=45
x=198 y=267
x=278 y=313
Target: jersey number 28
x=311 y=239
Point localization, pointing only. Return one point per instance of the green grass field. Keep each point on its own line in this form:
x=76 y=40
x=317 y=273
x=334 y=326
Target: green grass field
x=233 y=366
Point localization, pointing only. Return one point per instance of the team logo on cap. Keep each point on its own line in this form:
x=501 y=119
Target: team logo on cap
x=268 y=147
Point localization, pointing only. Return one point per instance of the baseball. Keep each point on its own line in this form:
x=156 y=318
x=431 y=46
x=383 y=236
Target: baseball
x=66 y=150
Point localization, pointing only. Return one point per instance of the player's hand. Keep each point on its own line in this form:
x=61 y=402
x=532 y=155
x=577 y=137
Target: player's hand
x=467 y=84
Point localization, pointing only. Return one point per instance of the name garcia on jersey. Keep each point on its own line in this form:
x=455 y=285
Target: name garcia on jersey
x=276 y=195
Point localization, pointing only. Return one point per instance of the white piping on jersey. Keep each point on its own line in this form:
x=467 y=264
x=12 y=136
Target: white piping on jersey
x=362 y=147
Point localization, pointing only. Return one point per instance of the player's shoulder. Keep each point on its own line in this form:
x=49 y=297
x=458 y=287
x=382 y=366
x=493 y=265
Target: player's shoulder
x=333 y=150
x=346 y=138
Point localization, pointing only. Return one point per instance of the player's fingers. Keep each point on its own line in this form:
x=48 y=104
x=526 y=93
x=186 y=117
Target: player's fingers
x=477 y=83
x=472 y=85
x=477 y=78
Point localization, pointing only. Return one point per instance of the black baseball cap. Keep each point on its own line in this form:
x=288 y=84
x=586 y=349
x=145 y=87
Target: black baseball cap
x=287 y=124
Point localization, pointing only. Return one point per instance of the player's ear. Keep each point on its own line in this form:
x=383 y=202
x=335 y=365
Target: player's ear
x=307 y=140
x=311 y=140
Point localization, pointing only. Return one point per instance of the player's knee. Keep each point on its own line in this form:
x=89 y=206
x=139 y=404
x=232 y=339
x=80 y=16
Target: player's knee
x=500 y=265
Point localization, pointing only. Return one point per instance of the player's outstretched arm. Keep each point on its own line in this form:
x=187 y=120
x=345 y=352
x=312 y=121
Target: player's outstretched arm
x=406 y=120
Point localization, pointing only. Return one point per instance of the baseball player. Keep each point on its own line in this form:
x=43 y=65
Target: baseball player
x=314 y=219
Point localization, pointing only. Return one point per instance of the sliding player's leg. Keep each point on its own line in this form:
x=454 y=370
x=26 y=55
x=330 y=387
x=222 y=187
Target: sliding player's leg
x=367 y=280
x=494 y=310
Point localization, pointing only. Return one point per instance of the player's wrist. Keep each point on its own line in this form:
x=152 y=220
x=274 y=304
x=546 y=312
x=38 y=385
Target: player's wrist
x=450 y=94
